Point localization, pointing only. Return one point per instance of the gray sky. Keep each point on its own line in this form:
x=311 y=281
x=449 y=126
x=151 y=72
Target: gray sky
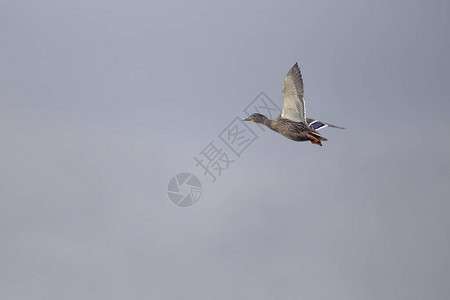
x=102 y=102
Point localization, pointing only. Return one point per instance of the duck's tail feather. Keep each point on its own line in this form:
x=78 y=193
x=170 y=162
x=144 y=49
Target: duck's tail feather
x=318 y=136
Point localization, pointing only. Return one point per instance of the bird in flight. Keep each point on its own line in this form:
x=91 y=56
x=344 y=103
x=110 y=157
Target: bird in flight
x=293 y=122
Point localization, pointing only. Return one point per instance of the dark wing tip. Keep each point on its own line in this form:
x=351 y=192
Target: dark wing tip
x=295 y=72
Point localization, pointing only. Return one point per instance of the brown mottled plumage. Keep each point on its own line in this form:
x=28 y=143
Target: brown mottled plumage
x=296 y=131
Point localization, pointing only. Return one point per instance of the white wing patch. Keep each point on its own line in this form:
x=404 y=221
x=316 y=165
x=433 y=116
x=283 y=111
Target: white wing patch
x=292 y=92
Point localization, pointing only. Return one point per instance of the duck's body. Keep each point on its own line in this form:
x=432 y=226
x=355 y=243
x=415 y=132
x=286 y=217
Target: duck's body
x=293 y=123
x=295 y=131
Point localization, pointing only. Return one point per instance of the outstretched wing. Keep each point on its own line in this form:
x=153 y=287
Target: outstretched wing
x=316 y=124
x=292 y=92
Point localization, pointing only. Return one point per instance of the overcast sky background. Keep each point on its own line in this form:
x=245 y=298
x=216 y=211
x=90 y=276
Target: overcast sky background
x=102 y=102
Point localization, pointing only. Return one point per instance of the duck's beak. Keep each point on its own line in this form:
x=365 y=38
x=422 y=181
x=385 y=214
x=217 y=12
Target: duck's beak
x=246 y=119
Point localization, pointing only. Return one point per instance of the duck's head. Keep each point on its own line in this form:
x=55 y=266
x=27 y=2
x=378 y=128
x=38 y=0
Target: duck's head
x=257 y=118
